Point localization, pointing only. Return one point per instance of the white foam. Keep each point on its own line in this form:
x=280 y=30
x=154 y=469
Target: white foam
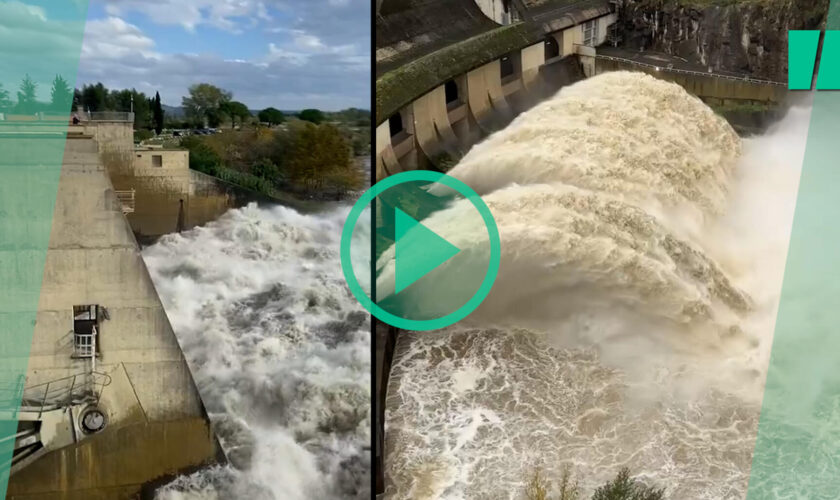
x=280 y=351
x=643 y=245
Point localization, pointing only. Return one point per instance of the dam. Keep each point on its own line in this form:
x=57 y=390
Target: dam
x=447 y=77
x=538 y=107
x=157 y=281
x=105 y=372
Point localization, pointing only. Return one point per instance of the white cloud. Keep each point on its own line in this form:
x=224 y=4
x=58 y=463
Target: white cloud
x=113 y=38
x=276 y=53
x=306 y=41
x=315 y=54
x=32 y=43
x=228 y=15
x=16 y=13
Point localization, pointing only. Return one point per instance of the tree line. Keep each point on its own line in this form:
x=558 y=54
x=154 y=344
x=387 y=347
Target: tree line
x=148 y=111
x=311 y=155
x=206 y=106
x=26 y=101
x=313 y=160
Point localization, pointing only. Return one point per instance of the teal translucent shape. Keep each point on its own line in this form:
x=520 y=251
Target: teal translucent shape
x=829 y=76
x=418 y=250
x=802 y=54
x=475 y=274
x=797 y=451
x=39 y=41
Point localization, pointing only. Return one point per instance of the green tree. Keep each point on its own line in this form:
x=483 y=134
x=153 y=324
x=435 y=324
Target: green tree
x=5 y=102
x=204 y=103
x=61 y=97
x=354 y=116
x=127 y=99
x=320 y=158
x=27 y=102
x=266 y=169
x=272 y=116
x=94 y=97
x=234 y=110
x=623 y=487
x=202 y=157
x=157 y=114
x=312 y=115
x=141 y=135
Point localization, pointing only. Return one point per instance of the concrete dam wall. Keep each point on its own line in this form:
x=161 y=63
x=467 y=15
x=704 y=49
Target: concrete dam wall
x=149 y=421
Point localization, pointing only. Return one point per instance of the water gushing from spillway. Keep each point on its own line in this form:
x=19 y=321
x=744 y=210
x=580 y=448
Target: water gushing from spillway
x=280 y=351
x=643 y=247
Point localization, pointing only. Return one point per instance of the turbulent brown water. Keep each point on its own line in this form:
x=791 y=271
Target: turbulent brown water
x=643 y=245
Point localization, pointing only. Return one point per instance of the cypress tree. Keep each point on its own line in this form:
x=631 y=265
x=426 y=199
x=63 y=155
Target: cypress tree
x=157 y=111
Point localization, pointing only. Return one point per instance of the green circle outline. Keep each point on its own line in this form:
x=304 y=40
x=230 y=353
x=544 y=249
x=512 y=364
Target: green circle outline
x=492 y=266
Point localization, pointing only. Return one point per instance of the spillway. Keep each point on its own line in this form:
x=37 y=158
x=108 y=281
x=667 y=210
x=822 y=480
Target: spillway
x=643 y=246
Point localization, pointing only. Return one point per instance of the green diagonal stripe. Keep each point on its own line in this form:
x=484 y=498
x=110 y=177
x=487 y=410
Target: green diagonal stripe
x=797 y=452
x=39 y=40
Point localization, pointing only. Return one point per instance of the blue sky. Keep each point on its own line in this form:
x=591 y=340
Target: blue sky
x=290 y=54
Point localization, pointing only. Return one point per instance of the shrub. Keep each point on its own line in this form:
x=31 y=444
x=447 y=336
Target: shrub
x=315 y=116
x=143 y=135
x=538 y=487
x=202 y=157
x=266 y=169
x=623 y=487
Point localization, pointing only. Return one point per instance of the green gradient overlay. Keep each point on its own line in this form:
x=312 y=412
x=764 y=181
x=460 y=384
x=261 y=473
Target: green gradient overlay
x=38 y=39
x=797 y=452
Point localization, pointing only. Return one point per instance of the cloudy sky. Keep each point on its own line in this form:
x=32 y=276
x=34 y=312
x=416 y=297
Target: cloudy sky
x=290 y=54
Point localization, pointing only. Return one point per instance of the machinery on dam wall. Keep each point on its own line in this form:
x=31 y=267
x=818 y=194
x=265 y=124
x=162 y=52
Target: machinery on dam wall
x=109 y=404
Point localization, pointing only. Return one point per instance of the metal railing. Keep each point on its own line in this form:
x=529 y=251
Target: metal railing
x=127 y=200
x=109 y=116
x=64 y=392
x=670 y=69
x=60 y=393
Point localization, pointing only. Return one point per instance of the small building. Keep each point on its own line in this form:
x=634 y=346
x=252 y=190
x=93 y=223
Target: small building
x=152 y=160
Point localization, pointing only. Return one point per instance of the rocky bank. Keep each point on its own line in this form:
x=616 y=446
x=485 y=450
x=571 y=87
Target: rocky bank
x=744 y=36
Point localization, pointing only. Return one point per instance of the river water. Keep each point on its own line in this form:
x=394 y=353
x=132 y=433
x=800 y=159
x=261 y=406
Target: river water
x=643 y=245
x=279 y=349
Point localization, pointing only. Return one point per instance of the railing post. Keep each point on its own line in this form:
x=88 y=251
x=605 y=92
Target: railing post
x=44 y=401
x=72 y=386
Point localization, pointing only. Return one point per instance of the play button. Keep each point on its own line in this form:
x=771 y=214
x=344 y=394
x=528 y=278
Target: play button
x=436 y=250
x=417 y=250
